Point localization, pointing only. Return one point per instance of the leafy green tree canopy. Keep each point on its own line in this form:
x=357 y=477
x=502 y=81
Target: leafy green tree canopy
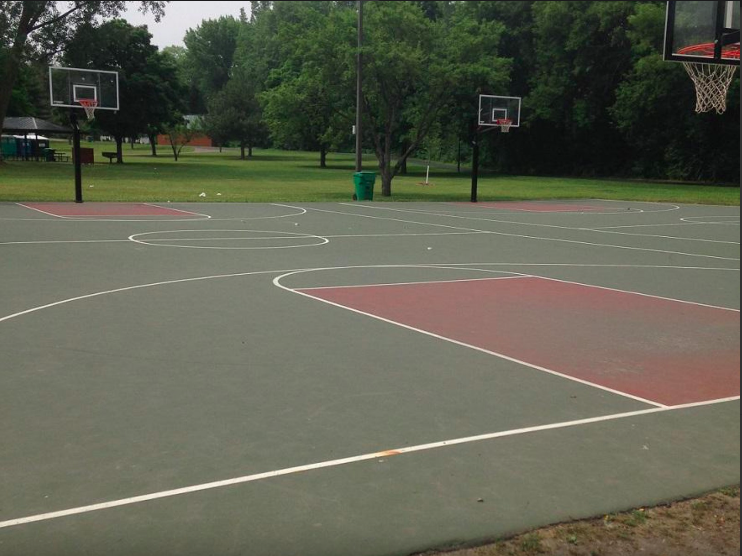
x=41 y=29
x=210 y=52
x=150 y=95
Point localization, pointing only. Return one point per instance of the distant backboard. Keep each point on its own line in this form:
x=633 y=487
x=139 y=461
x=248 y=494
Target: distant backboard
x=702 y=32
x=68 y=86
x=493 y=108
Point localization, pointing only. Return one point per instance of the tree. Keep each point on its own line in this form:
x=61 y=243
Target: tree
x=30 y=95
x=36 y=29
x=582 y=52
x=169 y=92
x=149 y=91
x=417 y=69
x=210 y=52
x=654 y=113
x=234 y=114
x=420 y=60
x=194 y=100
x=303 y=105
x=181 y=132
x=304 y=112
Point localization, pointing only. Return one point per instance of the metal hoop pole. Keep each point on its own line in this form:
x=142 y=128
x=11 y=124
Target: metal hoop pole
x=359 y=92
x=76 y=155
x=474 y=164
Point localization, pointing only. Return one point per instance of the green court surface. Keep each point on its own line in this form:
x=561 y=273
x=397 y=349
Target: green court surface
x=357 y=378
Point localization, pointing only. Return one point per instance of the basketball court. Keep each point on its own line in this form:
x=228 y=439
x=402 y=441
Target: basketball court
x=358 y=378
x=363 y=378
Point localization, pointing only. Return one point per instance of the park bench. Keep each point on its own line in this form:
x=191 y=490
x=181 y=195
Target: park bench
x=110 y=156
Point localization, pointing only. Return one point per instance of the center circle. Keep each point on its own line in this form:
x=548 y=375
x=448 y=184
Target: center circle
x=228 y=239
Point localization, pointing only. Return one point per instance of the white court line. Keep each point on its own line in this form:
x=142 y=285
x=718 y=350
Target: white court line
x=670 y=208
x=105 y=217
x=287 y=235
x=591 y=265
x=41 y=242
x=645 y=225
x=684 y=223
x=344 y=461
x=603 y=230
x=95 y=218
x=639 y=293
x=195 y=279
x=412 y=265
x=131 y=288
x=39 y=210
x=579 y=209
x=504 y=234
x=65 y=241
x=301 y=211
x=609 y=213
x=472 y=233
x=461 y=266
x=418 y=283
x=277 y=283
x=700 y=218
x=222 y=238
x=178 y=210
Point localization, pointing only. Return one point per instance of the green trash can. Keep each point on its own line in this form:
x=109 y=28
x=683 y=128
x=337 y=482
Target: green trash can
x=364 y=185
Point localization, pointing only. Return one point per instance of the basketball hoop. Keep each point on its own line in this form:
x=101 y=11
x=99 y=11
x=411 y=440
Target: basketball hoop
x=711 y=80
x=89 y=104
x=504 y=124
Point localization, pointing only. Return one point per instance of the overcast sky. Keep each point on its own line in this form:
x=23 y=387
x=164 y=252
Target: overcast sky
x=181 y=16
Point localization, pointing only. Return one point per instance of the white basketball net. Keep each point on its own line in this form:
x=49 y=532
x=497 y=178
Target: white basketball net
x=504 y=124
x=712 y=83
x=89 y=105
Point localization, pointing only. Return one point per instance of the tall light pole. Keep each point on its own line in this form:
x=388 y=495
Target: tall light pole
x=359 y=92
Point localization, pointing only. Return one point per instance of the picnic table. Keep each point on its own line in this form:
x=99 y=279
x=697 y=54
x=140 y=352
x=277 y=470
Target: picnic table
x=110 y=156
x=53 y=155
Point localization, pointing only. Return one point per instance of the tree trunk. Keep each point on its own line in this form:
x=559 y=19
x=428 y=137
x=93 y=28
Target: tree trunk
x=242 y=151
x=119 y=149
x=386 y=169
x=249 y=151
x=9 y=71
x=322 y=157
x=458 y=159
x=386 y=181
x=403 y=167
x=131 y=140
x=175 y=149
x=153 y=144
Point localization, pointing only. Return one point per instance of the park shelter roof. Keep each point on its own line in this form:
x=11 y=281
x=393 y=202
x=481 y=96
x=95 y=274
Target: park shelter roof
x=26 y=125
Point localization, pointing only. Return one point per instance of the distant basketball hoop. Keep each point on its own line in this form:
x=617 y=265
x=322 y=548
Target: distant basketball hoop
x=89 y=89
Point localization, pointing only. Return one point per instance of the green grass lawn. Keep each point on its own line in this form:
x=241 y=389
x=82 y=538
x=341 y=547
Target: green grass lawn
x=281 y=176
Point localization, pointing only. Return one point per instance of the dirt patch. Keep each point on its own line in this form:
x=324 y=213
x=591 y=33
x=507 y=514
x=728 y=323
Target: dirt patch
x=706 y=526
